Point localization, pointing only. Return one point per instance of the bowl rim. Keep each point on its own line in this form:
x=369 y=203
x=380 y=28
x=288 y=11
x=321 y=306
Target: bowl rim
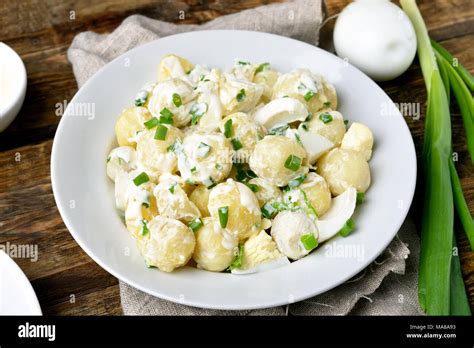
x=200 y=304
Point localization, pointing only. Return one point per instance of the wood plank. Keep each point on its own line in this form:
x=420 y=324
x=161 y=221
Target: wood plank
x=42 y=31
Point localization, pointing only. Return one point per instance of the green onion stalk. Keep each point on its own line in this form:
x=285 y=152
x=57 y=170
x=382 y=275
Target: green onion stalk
x=440 y=282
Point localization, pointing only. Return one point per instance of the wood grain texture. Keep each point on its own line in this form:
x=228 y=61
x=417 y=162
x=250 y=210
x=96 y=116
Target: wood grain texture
x=66 y=280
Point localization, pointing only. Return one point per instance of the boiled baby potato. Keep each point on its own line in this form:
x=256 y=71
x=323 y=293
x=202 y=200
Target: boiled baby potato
x=243 y=133
x=154 y=154
x=216 y=247
x=243 y=211
x=141 y=208
x=167 y=244
x=343 y=169
x=278 y=159
x=329 y=124
x=172 y=99
x=205 y=158
x=173 y=202
x=130 y=122
x=311 y=89
x=173 y=66
x=122 y=158
x=265 y=191
x=200 y=197
x=289 y=229
x=359 y=138
x=238 y=95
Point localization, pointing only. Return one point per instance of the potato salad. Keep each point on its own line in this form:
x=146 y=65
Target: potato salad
x=239 y=171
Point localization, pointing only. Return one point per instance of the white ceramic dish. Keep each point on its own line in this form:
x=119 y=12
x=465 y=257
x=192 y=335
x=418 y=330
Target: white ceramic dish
x=12 y=85
x=17 y=296
x=85 y=196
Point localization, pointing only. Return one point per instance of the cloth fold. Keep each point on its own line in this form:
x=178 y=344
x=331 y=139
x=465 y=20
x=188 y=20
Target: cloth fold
x=387 y=286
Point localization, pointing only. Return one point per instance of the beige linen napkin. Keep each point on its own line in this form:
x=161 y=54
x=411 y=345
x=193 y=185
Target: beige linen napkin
x=387 y=286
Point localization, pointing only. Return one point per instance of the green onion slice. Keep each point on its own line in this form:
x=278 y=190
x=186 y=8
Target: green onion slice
x=241 y=95
x=141 y=179
x=293 y=163
x=326 y=117
x=309 y=241
x=228 y=132
x=166 y=116
x=160 y=133
x=151 y=123
x=177 y=100
x=223 y=216
x=195 y=224
x=347 y=228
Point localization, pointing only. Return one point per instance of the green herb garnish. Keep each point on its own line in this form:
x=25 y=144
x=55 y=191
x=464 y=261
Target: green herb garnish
x=141 y=179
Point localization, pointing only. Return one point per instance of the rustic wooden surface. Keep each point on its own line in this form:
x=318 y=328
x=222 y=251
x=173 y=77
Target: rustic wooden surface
x=66 y=280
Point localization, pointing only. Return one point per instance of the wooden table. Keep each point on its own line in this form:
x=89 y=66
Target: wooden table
x=66 y=280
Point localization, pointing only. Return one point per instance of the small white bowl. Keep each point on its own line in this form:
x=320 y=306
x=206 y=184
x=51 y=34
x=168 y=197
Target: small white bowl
x=12 y=85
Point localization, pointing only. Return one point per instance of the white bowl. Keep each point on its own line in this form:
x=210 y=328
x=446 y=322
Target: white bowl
x=17 y=296
x=85 y=198
x=12 y=85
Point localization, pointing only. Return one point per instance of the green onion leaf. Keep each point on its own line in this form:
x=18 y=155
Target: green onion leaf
x=293 y=163
x=239 y=258
x=177 y=100
x=223 y=216
x=309 y=241
x=160 y=133
x=172 y=187
x=237 y=145
x=241 y=95
x=253 y=187
x=241 y=62
x=166 y=116
x=197 y=110
x=145 y=229
x=279 y=130
x=360 y=198
x=308 y=95
x=193 y=170
x=195 y=224
x=269 y=211
x=262 y=67
x=228 y=132
x=151 y=123
x=325 y=117
x=297 y=181
x=347 y=228
x=141 y=179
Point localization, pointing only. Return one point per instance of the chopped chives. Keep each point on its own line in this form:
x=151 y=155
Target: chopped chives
x=145 y=229
x=262 y=67
x=325 y=117
x=172 y=187
x=193 y=170
x=346 y=122
x=141 y=179
x=296 y=181
x=160 y=133
x=327 y=104
x=151 y=123
x=197 y=110
x=253 y=187
x=293 y=163
x=166 y=116
x=203 y=150
x=279 y=130
x=347 y=228
x=360 y=197
x=223 y=216
x=236 y=144
x=241 y=95
x=269 y=211
x=238 y=258
x=177 y=100
x=195 y=225
x=308 y=95
x=309 y=241
x=228 y=128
